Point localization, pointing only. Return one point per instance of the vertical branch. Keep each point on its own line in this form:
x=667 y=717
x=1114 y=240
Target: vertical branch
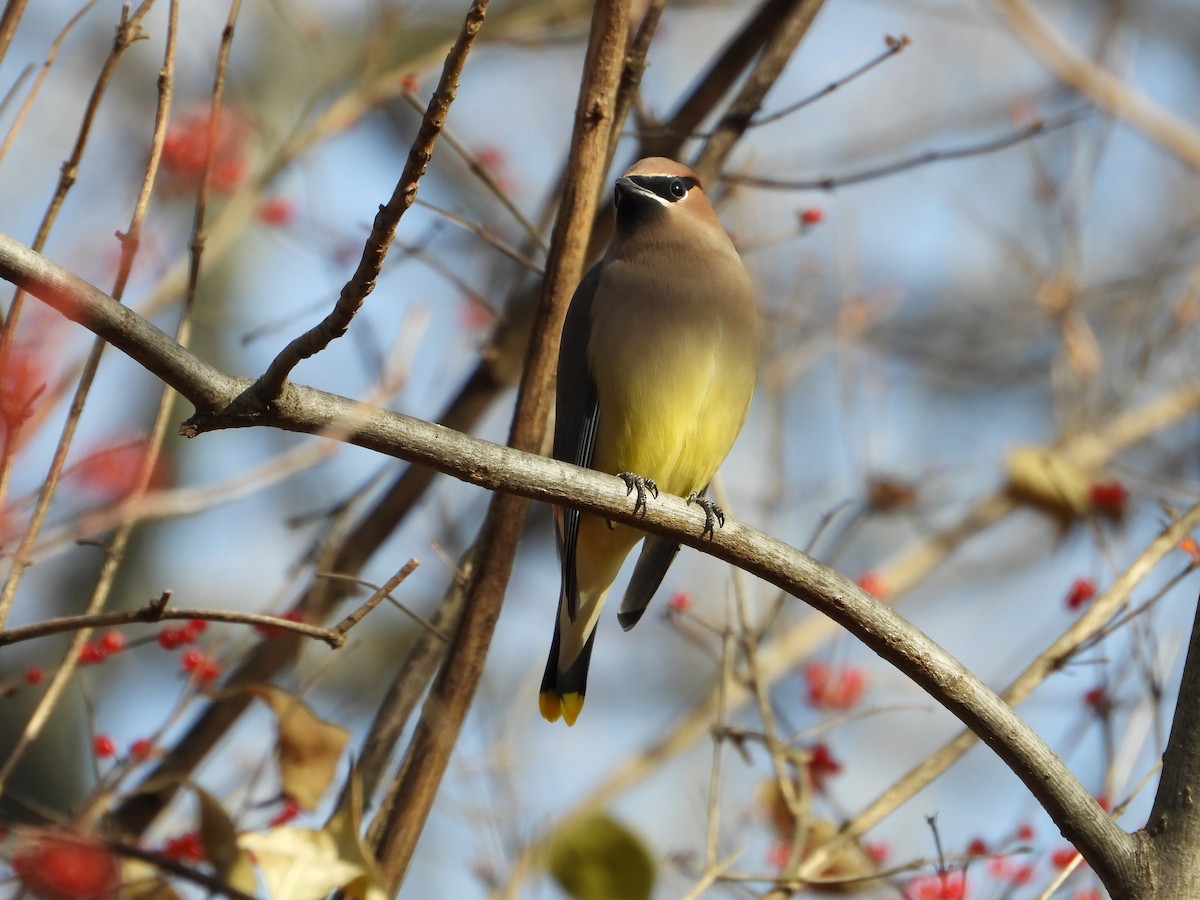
x=1173 y=829
x=9 y=19
x=775 y=56
x=450 y=697
x=210 y=161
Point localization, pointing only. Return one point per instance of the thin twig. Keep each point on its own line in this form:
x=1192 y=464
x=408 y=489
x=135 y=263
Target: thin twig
x=383 y=230
x=115 y=552
x=152 y=613
x=831 y=182
x=777 y=51
x=128 y=30
x=382 y=593
x=894 y=47
x=43 y=71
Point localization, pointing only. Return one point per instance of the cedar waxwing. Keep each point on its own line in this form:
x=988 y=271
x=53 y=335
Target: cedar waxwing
x=657 y=365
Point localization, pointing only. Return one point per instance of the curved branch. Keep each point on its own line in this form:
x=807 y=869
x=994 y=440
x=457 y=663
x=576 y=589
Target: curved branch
x=307 y=410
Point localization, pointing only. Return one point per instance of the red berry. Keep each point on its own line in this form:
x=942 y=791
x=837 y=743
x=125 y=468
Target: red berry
x=170 y=638
x=1025 y=833
x=1189 y=546
x=187 y=846
x=821 y=765
x=872 y=583
x=207 y=670
x=112 y=469
x=811 y=215
x=192 y=630
x=1110 y=496
x=942 y=886
x=1000 y=867
x=276 y=211
x=141 y=748
x=91 y=653
x=829 y=689
x=191 y=659
x=103 y=746
x=228 y=174
x=112 y=642
x=1062 y=857
x=490 y=158
x=34 y=675
x=290 y=810
x=1081 y=592
x=681 y=601
x=878 y=851
x=66 y=867
x=977 y=847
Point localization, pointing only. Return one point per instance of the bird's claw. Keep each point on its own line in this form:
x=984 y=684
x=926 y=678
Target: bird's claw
x=641 y=485
x=713 y=514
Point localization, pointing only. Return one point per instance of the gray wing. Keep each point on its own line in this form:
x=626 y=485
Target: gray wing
x=657 y=554
x=576 y=415
x=656 y=557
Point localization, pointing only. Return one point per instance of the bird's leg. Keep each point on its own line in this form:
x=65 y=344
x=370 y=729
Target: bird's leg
x=641 y=485
x=713 y=514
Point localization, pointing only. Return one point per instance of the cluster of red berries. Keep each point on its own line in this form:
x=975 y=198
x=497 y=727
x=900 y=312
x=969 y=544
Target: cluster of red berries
x=836 y=689
x=108 y=644
x=174 y=637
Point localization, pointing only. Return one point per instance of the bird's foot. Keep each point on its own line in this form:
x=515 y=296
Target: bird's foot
x=714 y=516
x=641 y=485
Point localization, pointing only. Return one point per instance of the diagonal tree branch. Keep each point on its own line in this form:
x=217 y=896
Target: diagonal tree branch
x=1105 y=89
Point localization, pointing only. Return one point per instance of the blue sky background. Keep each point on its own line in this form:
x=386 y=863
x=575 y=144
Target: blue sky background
x=958 y=364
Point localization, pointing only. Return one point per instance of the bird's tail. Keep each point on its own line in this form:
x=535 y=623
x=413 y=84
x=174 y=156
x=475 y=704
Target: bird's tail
x=562 y=690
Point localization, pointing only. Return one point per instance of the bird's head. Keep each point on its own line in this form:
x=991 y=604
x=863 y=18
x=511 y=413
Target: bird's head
x=658 y=190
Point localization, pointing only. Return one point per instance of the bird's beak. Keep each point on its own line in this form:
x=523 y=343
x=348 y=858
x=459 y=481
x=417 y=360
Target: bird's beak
x=626 y=185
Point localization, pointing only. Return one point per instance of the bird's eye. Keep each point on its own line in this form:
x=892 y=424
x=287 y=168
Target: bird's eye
x=678 y=188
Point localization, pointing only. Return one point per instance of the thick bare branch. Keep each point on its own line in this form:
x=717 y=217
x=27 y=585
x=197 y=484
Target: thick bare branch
x=489 y=465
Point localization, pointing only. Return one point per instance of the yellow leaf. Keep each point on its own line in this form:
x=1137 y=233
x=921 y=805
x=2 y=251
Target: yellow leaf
x=1047 y=478
x=142 y=881
x=345 y=825
x=303 y=864
x=299 y=863
x=219 y=836
x=309 y=748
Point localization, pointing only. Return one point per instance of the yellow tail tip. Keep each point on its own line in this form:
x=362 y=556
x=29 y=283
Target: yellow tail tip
x=554 y=706
x=571 y=706
x=549 y=706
